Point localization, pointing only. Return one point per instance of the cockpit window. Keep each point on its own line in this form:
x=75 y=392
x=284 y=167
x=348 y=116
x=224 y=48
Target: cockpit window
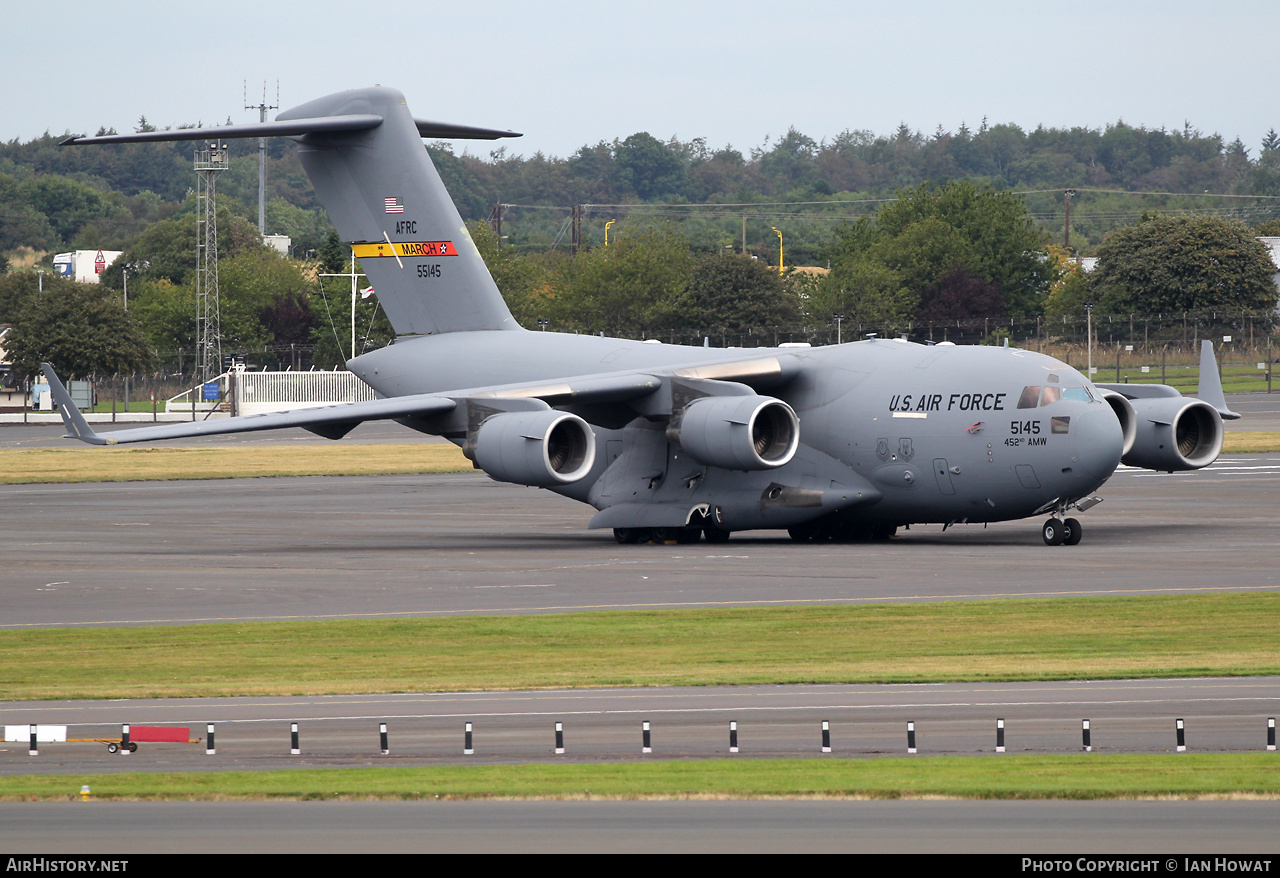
x=1050 y=395
x=1077 y=394
x=1029 y=396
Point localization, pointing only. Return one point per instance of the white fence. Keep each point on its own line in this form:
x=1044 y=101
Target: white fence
x=251 y=393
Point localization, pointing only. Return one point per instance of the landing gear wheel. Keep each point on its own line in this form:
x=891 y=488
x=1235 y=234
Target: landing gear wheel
x=883 y=532
x=688 y=535
x=1073 y=532
x=1053 y=532
x=801 y=533
x=715 y=534
x=113 y=748
x=626 y=535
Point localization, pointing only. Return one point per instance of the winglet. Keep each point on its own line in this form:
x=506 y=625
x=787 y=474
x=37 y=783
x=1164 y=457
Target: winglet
x=1210 y=389
x=77 y=426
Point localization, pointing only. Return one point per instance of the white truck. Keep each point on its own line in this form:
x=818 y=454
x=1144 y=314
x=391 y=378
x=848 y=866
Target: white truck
x=84 y=266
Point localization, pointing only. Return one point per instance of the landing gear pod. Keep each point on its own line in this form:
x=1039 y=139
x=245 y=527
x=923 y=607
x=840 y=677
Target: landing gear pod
x=545 y=448
x=737 y=432
x=1175 y=434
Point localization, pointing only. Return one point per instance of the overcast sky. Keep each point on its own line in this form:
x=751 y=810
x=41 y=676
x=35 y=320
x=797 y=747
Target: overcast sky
x=570 y=73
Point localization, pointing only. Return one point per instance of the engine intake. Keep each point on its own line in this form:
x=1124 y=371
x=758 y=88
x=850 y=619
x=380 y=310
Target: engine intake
x=544 y=448
x=1174 y=434
x=1125 y=414
x=737 y=432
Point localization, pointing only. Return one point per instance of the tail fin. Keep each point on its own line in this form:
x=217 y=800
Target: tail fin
x=363 y=151
x=1210 y=385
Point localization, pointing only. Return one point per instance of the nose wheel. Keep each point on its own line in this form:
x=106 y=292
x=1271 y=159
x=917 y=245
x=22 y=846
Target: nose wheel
x=1064 y=532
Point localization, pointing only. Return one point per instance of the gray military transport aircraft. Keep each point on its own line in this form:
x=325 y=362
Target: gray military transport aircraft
x=670 y=442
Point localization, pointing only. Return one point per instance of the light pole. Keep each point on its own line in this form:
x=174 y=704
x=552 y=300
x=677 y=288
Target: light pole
x=779 y=248
x=1088 y=310
x=839 y=316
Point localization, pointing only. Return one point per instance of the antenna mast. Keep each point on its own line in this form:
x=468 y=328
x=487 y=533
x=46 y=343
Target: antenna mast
x=262 y=150
x=211 y=158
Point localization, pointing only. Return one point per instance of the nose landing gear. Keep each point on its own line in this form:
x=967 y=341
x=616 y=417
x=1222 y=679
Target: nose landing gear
x=1062 y=532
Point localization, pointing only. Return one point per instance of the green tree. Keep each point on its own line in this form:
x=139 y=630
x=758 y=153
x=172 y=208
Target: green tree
x=987 y=233
x=639 y=282
x=1169 y=264
x=68 y=204
x=522 y=280
x=649 y=166
x=80 y=328
x=168 y=248
x=334 y=255
x=734 y=293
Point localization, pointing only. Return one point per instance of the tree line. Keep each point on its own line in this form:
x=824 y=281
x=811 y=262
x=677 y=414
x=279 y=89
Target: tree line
x=959 y=253
x=61 y=198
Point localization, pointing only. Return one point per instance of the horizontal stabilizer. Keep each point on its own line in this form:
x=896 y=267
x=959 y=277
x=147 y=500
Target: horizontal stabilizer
x=296 y=128
x=290 y=128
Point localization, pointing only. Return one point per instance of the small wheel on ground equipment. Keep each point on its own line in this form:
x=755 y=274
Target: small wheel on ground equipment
x=113 y=748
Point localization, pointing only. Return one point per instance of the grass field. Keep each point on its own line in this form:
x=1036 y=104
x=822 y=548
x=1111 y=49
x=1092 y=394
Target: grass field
x=116 y=464
x=1078 y=776
x=1025 y=639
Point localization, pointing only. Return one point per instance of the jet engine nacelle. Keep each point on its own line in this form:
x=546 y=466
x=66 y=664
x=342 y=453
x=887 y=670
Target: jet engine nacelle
x=1175 y=433
x=1125 y=415
x=737 y=432
x=542 y=448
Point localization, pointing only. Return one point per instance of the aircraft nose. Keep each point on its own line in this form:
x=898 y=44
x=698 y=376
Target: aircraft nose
x=1099 y=442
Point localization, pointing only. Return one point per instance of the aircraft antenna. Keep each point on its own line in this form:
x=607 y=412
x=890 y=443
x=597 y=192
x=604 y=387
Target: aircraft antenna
x=211 y=159
x=262 y=150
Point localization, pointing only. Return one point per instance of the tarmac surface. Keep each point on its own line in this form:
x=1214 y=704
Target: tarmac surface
x=355 y=547
x=385 y=546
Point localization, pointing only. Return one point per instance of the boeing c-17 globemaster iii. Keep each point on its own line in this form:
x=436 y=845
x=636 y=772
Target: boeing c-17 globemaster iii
x=673 y=442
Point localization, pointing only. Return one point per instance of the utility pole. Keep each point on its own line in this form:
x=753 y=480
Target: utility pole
x=1066 y=235
x=262 y=150
x=575 y=226
x=495 y=219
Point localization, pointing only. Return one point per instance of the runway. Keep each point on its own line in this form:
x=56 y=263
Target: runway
x=361 y=547
x=1145 y=831
x=314 y=548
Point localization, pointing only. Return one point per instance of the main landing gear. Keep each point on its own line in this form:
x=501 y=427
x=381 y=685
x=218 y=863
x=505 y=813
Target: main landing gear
x=662 y=535
x=1061 y=532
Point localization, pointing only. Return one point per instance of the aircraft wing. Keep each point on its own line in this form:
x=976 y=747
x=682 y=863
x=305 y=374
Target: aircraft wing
x=1209 y=391
x=325 y=420
x=450 y=408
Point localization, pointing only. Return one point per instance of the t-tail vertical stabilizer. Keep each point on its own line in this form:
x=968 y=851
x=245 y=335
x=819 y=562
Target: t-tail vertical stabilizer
x=386 y=199
x=363 y=151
